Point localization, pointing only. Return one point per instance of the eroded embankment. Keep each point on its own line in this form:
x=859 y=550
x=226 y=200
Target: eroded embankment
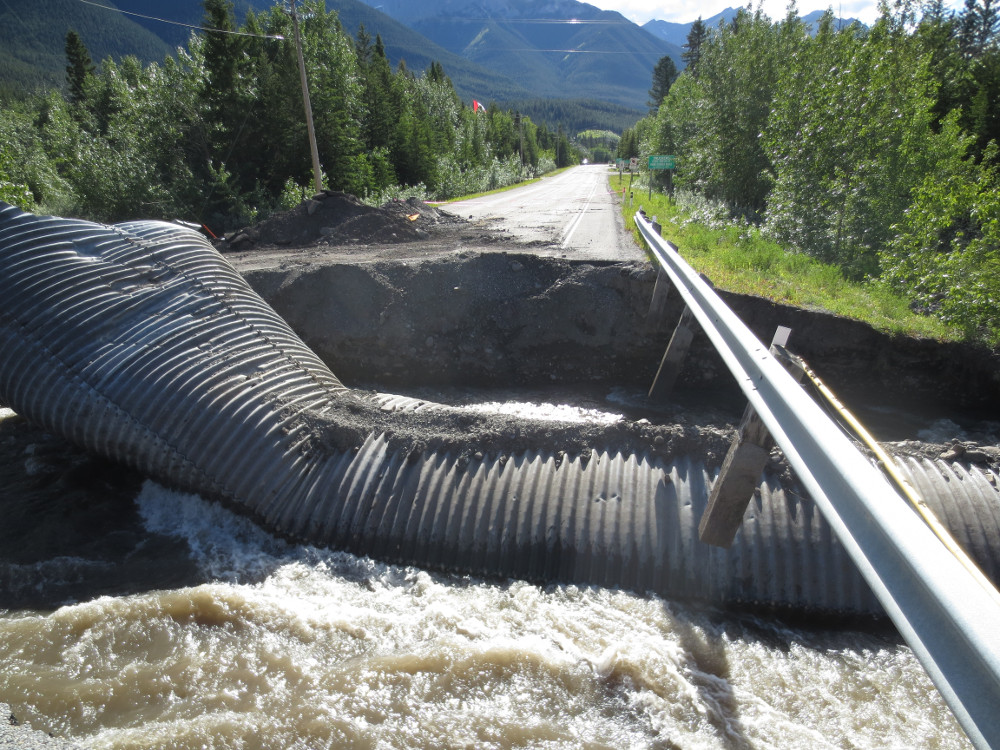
x=503 y=319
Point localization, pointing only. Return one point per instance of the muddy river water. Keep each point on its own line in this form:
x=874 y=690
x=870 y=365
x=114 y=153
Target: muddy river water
x=267 y=644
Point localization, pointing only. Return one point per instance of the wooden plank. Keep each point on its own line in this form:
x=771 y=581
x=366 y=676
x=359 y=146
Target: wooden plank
x=743 y=464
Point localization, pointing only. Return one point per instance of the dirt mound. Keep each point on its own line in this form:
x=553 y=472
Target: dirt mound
x=335 y=218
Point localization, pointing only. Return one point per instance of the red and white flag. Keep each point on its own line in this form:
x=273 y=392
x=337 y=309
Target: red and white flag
x=476 y=106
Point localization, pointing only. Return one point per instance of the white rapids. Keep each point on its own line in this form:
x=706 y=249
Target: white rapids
x=291 y=646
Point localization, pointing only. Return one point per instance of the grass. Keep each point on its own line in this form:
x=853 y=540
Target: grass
x=738 y=259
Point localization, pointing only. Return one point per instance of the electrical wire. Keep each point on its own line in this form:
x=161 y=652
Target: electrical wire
x=185 y=25
x=574 y=51
x=568 y=21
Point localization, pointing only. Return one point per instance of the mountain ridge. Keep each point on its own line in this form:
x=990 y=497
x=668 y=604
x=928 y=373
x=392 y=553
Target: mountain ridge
x=567 y=49
x=676 y=33
x=490 y=49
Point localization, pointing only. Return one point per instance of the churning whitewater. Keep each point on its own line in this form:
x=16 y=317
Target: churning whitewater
x=291 y=646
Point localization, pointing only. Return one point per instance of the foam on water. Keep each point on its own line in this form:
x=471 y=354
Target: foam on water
x=289 y=646
x=546 y=412
x=226 y=546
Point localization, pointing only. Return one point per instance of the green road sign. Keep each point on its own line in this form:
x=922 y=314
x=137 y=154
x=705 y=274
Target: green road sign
x=661 y=162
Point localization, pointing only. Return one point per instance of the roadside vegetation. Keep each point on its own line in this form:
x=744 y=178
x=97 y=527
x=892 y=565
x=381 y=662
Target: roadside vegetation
x=871 y=151
x=741 y=258
x=217 y=133
x=505 y=188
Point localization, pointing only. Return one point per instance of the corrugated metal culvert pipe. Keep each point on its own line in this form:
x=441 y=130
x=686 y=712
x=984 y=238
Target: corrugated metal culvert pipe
x=139 y=342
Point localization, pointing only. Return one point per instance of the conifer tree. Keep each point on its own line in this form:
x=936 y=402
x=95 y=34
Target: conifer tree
x=363 y=47
x=222 y=50
x=664 y=75
x=696 y=37
x=79 y=67
x=381 y=105
x=978 y=27
x=222 y=56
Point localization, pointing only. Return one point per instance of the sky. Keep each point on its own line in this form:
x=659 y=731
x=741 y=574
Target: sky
x=679 y=11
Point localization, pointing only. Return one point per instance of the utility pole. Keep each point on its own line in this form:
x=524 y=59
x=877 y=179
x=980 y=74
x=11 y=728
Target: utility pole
x=317 y=172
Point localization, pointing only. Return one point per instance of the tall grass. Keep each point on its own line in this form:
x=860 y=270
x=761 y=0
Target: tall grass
x=738 y=258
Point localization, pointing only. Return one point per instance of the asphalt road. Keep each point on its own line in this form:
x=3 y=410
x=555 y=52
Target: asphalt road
x=572 y=214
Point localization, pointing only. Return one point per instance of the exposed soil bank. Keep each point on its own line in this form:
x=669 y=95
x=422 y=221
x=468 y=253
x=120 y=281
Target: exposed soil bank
x=410 y=295
x=503 y=319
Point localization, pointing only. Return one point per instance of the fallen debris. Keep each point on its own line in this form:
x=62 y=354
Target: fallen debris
x=335 y=218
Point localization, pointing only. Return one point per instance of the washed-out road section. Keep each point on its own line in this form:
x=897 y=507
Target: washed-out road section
x=573 y=215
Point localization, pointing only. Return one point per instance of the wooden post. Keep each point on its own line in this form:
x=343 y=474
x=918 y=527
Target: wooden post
x=744 y=463
x=313 y=150
x=673 y=357
x=658 y=304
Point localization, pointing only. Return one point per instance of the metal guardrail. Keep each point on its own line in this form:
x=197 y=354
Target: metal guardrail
x=949 y=619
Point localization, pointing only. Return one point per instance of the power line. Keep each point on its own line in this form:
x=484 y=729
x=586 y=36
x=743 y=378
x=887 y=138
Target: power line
x=569 y=21
x=570 y=51
x=178 y=23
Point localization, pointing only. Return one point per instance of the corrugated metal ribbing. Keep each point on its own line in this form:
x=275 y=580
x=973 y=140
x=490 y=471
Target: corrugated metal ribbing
x=141 y=343
x=612 y=520
x=391 y=403
x=966 y=500
x=152 y=350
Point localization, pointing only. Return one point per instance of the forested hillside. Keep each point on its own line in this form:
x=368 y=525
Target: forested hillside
x=575 y=115
x=873 y=149
x=217 y=133
x=32 y=38
x=401 y=43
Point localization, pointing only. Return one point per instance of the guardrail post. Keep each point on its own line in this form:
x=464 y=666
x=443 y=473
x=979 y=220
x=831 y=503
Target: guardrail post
x=744 y=463
x=658 y=304
x=673 y=357
x=661 y=290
